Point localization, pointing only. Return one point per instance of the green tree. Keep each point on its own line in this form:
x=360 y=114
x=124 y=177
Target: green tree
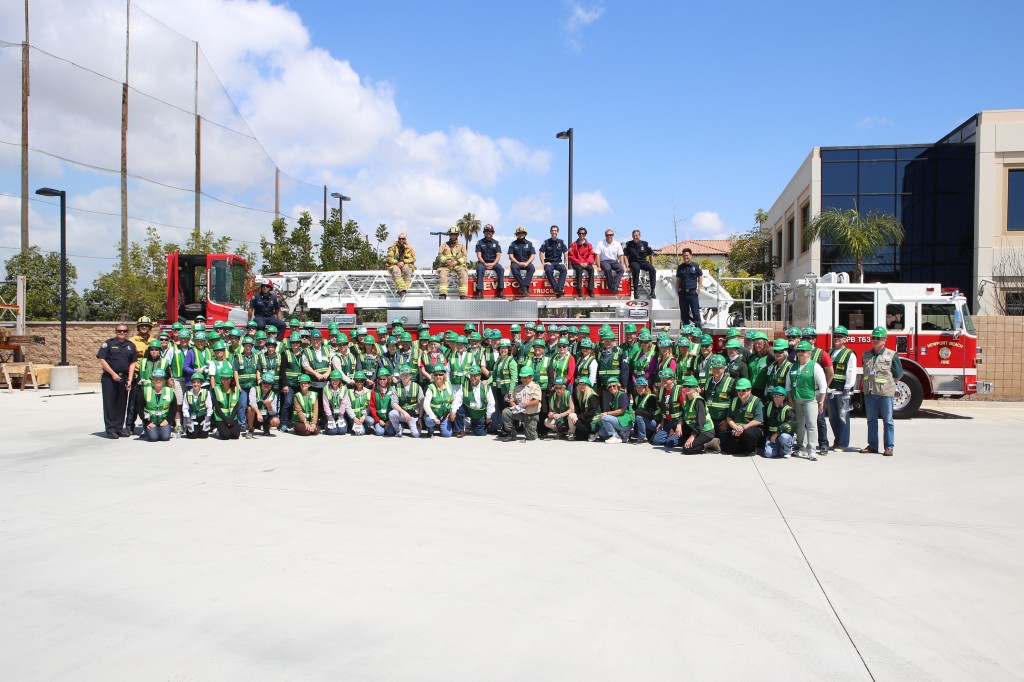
x=302 y=243
x=277 y=255
x=381 y=235
x=42 y=284
x=855 y=236
x=469 y=227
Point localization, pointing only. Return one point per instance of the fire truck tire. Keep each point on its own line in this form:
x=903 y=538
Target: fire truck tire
x=909 y=395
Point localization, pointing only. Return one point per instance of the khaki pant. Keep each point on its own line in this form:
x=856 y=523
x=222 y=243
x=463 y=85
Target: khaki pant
x=567 y=427
x=402 y=276
x=463 y=273
x=512 y=420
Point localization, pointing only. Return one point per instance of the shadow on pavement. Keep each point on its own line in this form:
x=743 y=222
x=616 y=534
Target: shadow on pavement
x=938 y=414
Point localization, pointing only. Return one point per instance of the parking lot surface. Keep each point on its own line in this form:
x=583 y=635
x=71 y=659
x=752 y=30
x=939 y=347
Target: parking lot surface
x=365 y=558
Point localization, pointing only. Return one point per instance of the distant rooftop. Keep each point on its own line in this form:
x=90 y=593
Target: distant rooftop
x=700 y=247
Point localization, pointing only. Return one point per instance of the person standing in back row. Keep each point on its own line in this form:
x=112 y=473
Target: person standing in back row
x=117 y=358
x=688 y=284
x=881 y=370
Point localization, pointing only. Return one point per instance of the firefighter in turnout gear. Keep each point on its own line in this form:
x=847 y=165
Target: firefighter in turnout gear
x=452 y=258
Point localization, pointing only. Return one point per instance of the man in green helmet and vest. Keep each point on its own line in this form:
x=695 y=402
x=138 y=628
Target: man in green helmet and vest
x=746 y=415
x=780 y=423
x=158 y=407
x=882 y=369
x=670 y=407
x=837 y=400
x=718 y=392
x=406 y=406
x=696 y=432
x=524 y=405
x=477 y=405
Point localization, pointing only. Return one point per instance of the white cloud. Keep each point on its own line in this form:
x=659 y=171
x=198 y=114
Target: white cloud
x=707 y=225
x=580 y=16
x=590 y=203
x=532 y=209
x=871 y=122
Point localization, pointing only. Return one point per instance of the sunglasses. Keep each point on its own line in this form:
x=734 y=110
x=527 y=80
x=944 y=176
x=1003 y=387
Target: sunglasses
x=121 y=331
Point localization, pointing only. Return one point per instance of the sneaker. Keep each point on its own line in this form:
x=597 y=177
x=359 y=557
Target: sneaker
x=823 y=450
x=869 y=449
x=614 y=439
x=809 y=454
x=479 y=294
x=443 y=296
x=787 y=455
x=592 y=438
x=248 y=435
x=125 y=433
x=838 y=448
x=112 y=435
x=714 y=445
x=888 y=452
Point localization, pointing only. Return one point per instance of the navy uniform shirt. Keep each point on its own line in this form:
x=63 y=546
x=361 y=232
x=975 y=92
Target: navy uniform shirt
x=521 y=249
x=264 y=306
x=637 y=251
x=119 y=354
x=689 y=274
x=553 y=249
x=489 y=249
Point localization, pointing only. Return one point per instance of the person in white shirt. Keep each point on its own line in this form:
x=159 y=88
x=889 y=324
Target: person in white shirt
x=477 y=405
x=612 y=261
x=806 y=386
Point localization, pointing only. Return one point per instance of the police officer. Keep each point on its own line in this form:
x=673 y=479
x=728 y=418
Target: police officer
x=117 y=358
x=488 y=255
x=265 y=308
x=688 y=283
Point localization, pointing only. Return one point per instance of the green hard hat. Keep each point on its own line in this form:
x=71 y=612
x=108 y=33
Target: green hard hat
x=269 y=378
x=303 y=334
x=406 y=336
x=664 y=343
x=696 y=331
x=460 y=339
x=260 y=335
x=225 y=373
x=437 y=338
x=177 y=326
x=705 y=340
x=644 y=335
x=219 y=345
x=760 y=335
x=631 y=328
x=743 y=385
x=526 y=371
x=158 y=374
x=198 y=376
x=423 y=335
x=439 y=369
x=391 y=340
x=382 y=329
x=879 y=333
x=687 y=329
x=613 y=380
x=218 y=325
x=235 y=332
x=315 y=334
x=640 y=381
x=421 y=326
x=718 y=361
x=606 y=334
x=251 y=323
x=794 y=332
x=184 y=334
x=585 y=379
x=563 y=341
x=515 y=328
x=294 y=322
x=294 y=338
x=734 y=343
x=584 y=329
x=809 y=331
x=750 y=334
x=803 y=345
x=666 y=374
x=247 y=340
x=531 y=325
x=540 y=329
x=586 y=343
x=153 y=344
x=780 y=345
x=733 y=333
x=683 y=342
x=475 y=336
x=369 y=339
x=504 y=343
x=212 y=336
x=560 y=381
x=779 y=390
x=538 y=344
x=383 y=372
x=271 y=340
x=359 y=374
x=840 y=330
x=474 y=370
x=303 y=378
x=405 y=369
x=689 y=382
x=229 y=324
x=574 y=329
x=199 y=326
x=335 y=374
x=271 y=329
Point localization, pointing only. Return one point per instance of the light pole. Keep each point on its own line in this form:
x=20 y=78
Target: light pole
x=48 y=192
x=341 y=206
x=567 y=135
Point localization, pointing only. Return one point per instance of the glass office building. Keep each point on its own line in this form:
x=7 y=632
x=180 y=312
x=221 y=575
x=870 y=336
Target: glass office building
x=929 y=188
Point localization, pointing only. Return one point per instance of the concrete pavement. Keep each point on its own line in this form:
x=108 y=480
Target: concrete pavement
x=382 y=559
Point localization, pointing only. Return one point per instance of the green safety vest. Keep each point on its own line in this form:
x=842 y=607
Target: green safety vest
x=321 y=363
x=801 y=379
x=776 y=374
x=217 y=364
x=476 y=410
x=178 y=363
x=690 y=416
x=584 y=365
x=203 y=358
x=269 y=363
x=460 y=368
x=559 y=405
x=744 y=414
x=197 y=403
x=684 y=367
x=588 y=393
x=560 y=366
x=671 y=406
x=540 y=370
x=304 y=403
x=359 y=402
x=292 y=368
x=382 y=402
x=334 y=397
x=347 y=363
x=409 y=396
x=158 y=405
x=608 y=367
x=721 y=395
x=147 y=366
x=227 y=401
x=702 y=366
x=641 y=361
x=261 y=396
x=441 y=401
x=779 y=419
x=758 y=367
x=246 y=368
x=506 y=373
x=839 y=363
x=666 y=363
x=648 y=403
x=627 y=417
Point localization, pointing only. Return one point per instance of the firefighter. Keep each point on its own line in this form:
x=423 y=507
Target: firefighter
x=488 y=257
x=881 y=370
x=837 y=402
x=401 y=263
x=452 y=258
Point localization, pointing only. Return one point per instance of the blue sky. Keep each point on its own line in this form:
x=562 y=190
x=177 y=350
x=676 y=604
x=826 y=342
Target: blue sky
x=421 y=112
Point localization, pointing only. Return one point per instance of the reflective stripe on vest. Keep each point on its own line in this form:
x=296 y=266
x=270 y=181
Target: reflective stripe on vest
x=197 y=403
x=746 y=415
x=720 y=396
x=673 y=409
x=157 y=404
x=227 y=401
x=801 y=379
x=305 y=404
x=690 y=416
x=839 y=362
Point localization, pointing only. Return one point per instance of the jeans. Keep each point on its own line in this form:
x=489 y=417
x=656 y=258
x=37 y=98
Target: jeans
x=610 y=427
x=157 y=433
x=263 y=320
x=499 y=272
x=877 y=406
x=782 y=446
x=635 y=267
x=397 y=419
x=838 y=409
x=523 y=276
x=689 y=307
x=645 y=426
x=286 y=405
x=580 y=270
x=557 y=283
x=444 y=424
x=667 y=438
x=386 y=430
x=478 y=426
x=243 y=403
x=340 y=428
x=613 y=272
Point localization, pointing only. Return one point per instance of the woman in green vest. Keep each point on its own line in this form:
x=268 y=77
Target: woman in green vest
x=477 y=405
x=244 y=364
x=645 y=408
x=615 y=422
x=439 y=407
x=697 y=433
x=335 y=405
x=806 y=388
x=197 y=408
x=152 y=360
x=504 y=377
x=780 y=421
x=305 y=409
x=405 y=407
x=263 y=406
x=358 y=412
x=157 y=405
x=380 y=403
x=226 y=397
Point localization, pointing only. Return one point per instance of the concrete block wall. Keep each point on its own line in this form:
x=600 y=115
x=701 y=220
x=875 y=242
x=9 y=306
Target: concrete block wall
x=1001 y=339
x=84 y=340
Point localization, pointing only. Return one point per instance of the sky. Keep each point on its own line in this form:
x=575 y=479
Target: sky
x=687 y=117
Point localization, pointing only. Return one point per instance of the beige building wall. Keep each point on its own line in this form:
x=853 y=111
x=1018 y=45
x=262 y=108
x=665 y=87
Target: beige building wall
x=800 y=200
x=1000 y=148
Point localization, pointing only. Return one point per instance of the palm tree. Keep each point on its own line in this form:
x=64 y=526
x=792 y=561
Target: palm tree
x=854 y=235
x=469 y=227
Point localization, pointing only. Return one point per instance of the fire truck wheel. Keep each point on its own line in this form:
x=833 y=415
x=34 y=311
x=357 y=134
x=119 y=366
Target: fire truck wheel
x=909 y=395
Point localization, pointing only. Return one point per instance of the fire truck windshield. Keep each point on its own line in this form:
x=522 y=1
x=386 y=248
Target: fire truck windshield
x=227 y=282
x=968 y=322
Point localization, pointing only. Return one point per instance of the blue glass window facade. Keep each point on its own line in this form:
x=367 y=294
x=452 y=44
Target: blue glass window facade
x=1015 y=200
x=929 y=188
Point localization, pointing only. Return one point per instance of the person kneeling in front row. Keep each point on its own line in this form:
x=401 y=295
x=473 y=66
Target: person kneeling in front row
x=226 y=397
x=523 y=406
x=263 y=407
x=697 y=430
x=305 y=409
x=197 y=409
x=780 y=421
x=157 y=406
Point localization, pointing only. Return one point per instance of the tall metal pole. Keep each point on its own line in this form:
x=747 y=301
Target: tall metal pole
x=124 y=135
x=567 y=135
x=63 y=279
x=24 y=136
x=325 y=204
x=199 y=152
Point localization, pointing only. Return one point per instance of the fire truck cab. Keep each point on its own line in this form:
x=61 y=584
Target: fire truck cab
x=930 y=328
x=207 y=284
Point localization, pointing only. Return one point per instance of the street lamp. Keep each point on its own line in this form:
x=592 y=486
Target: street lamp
x=341 y=210
x=48 y=192
x=567 y=135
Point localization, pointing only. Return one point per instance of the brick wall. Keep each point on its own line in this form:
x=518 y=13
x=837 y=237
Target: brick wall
x=84 y=340
x=1001 y=339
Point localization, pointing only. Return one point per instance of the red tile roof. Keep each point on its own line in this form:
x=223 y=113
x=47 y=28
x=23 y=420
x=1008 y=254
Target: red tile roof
x=700 y=247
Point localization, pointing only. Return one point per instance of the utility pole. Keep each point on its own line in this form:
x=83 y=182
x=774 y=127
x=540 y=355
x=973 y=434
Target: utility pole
x=124 y=135
x=24 y=136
